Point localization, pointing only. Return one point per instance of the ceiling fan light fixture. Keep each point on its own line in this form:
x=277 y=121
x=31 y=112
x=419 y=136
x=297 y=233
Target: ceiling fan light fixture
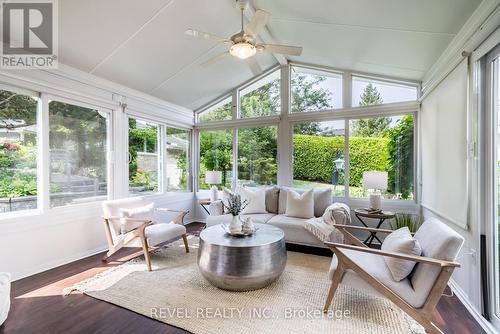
x=242 y=50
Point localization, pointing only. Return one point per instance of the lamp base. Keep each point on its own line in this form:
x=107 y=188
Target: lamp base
x=375 y=201
x=214 y=193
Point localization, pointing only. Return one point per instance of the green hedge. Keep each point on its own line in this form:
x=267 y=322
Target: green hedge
x=314 y=157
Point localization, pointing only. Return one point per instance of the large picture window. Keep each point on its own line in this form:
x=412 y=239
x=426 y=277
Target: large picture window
x=318 y=156
x=314 y=90
x=261 y=98
x=177 y=147
x=18 y=152
x=216 y=154
x=382 y=144
x=78 y=154
x=257 y=150
x=143 y=156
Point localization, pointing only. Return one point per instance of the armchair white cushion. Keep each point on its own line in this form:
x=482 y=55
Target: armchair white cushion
x=4 y=296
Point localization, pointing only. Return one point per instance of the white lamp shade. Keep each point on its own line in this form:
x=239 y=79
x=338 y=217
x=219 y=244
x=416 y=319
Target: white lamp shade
x=213 y=177
x=375 y=180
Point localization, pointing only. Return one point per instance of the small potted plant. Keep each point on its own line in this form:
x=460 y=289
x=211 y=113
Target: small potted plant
x=409 y=220
x=234 y=206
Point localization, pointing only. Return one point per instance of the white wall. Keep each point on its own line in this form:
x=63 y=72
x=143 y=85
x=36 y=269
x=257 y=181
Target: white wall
x=446 y=196
x=32 y=242
x=35 y=243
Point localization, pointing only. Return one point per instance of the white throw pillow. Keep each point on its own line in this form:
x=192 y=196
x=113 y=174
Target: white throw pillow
x=300 y=205
x=144 y=212
x=255 y=200
x=401 y=241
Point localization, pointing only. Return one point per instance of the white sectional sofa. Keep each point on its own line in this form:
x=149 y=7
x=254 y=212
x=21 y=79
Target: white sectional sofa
x=275 y=206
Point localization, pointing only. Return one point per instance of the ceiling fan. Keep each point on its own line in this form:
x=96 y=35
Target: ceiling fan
x=243 y=45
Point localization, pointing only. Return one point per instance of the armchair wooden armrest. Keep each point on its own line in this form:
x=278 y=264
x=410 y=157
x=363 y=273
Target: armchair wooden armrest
x=128 y=218
x=180 y=217
x=362 y=228
x=334 y=246
x=171 y=210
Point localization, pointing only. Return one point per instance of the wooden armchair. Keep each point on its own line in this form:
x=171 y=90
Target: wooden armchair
x=419 y=293
x=147 y=235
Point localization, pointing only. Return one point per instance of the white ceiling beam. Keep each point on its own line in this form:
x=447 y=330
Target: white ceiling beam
x=265 y=35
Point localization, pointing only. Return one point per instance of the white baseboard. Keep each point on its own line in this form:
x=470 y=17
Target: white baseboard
x=462 y=296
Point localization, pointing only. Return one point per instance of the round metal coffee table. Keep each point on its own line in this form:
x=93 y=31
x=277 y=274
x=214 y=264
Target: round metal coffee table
x=242 y=264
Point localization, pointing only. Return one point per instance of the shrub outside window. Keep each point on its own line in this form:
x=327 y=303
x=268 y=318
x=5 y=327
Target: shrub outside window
x=78 y=154
x=257 y=151
x=177 y=146
x=18 y=152
x=382 y=144
x=143 y=156
x=314 y=90
x=318 y=156
x=216 y=154
x=262 y=98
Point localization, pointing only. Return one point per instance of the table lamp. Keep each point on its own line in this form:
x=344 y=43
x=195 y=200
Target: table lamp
x=375 y=181
x=213 y=177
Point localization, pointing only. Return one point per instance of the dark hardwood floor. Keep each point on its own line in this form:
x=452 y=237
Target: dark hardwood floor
x=38 y=305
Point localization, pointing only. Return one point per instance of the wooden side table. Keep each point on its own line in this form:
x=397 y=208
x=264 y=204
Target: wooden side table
x=381 y=216
x=205 y=203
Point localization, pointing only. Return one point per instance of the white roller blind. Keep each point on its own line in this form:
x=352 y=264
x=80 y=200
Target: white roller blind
x=443 y=133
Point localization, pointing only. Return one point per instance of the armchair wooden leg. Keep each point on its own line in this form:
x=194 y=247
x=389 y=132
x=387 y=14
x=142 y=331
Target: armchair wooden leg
x=336 y=279
x=145 y=248
x=184 y=238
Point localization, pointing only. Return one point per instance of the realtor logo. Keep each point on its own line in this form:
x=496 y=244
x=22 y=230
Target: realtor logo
x=29 y=31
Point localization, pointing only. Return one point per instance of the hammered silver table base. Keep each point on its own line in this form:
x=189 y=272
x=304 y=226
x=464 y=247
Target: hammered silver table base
x=242 y=264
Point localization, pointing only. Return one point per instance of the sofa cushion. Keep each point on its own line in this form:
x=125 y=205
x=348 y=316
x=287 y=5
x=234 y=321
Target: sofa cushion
x=255 y=200
x=375 y=266
x=300 y=205
x=294 y=229
x=272 y=198
x=322 y=199
x=226 y=219
x=401 y=241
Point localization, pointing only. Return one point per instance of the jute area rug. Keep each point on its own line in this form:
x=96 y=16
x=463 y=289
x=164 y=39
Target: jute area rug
x=176 y=293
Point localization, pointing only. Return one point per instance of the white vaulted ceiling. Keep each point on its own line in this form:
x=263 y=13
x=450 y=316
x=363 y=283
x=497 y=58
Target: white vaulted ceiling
x=141 y=44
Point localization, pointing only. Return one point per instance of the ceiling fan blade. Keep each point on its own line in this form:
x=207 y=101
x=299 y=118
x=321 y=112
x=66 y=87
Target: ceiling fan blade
x=214 y=59
x=257 y=23
x=206 y=35
x=253 y=65
x=282 y=49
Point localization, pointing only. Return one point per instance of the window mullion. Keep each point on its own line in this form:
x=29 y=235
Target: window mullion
x=43 y=175
x=346 y=159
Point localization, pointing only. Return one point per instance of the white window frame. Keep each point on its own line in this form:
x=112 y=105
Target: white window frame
x=46 y=99
x=39 y=175
x=285 y=121
x=189 y=159
x=161 y=157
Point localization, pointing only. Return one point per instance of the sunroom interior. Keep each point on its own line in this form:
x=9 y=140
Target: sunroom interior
x=139 y=106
